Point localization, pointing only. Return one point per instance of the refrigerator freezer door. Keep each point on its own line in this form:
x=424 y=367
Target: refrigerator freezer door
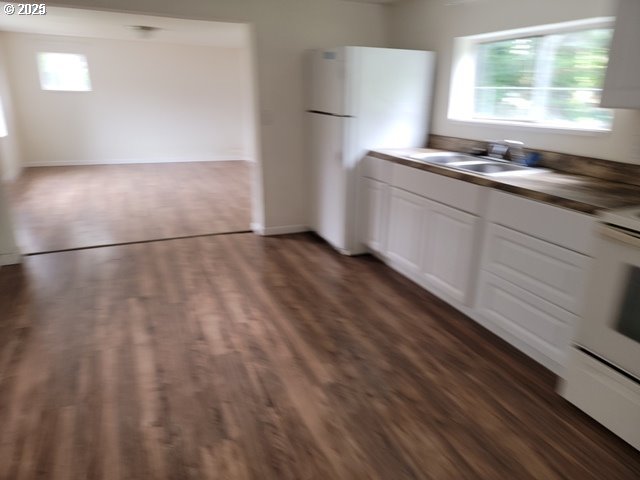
x=328 y=178
x=327 y=78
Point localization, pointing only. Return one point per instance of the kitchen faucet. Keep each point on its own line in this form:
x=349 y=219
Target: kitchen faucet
x=509 y=150
x=515 y=151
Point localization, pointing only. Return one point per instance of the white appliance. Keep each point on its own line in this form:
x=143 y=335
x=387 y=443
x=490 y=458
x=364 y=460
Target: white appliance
x=360 y=99
x=603 y=375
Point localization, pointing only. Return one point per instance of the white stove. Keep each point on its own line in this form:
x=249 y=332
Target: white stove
x=628 y=218
x=603 y=375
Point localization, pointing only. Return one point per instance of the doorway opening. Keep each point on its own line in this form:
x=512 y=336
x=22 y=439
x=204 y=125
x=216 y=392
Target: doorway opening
x=127 y=128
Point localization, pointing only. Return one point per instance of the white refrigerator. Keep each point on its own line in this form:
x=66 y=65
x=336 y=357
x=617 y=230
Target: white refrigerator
x=360 y=99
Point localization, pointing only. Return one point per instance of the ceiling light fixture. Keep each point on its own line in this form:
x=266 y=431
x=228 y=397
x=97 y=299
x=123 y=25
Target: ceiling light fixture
x=144 y=31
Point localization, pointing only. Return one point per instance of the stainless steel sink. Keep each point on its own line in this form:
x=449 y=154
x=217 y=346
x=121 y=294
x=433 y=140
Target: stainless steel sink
x=479 y=165
x=493 y=168
x=442 y=158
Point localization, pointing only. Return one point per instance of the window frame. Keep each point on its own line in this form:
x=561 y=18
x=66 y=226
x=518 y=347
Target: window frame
x=462 y=82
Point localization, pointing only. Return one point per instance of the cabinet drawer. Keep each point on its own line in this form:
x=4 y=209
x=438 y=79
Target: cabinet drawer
x=546 y=270
x=569 y=229
x=541 y=329
x=455 y=193
x=377 y=169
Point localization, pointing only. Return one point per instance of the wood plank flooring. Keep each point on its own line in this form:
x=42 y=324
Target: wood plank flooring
x=57 y=208
x=242 y=357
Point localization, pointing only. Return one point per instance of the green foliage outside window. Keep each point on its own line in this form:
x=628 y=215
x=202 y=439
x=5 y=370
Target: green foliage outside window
x=551 y=79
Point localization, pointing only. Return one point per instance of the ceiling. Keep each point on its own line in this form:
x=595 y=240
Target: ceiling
x=90 y=23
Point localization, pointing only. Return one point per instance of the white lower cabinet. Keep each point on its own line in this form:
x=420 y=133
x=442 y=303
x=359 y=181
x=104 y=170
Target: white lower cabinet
x=405 y=232
x=450 y=239
x=532 y=278
x=375 y=201
x=515 y=265
x=433 y=243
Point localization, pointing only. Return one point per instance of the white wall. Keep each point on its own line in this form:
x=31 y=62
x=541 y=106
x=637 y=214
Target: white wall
x=283 y=30
x=10 y=158
x=151 y=102
x=432 y=25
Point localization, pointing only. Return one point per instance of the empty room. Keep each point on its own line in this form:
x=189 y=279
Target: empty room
x=126 y=128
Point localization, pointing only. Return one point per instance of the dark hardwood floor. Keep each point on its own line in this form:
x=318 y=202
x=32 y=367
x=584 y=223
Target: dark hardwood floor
x=58 y=208
x=241 y=357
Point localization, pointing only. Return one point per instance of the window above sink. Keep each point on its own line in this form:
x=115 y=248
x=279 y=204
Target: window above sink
x=548 y=77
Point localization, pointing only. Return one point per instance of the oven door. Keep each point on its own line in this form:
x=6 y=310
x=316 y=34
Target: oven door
x=611 y=327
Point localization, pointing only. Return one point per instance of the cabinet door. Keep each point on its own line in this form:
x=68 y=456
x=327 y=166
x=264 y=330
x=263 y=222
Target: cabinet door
x=450 y=238
x=406 y=214
x=374 y=196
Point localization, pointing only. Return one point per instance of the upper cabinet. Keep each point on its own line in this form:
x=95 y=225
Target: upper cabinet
x=622 y=83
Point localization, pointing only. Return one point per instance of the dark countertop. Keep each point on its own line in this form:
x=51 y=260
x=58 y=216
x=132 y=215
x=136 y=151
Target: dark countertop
x=576 y=192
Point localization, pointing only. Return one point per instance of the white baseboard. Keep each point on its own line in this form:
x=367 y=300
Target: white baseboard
x=10 y=259
x=281 y=230
x=127 y=161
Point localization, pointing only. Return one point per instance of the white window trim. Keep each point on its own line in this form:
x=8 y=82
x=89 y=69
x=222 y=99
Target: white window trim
x=463 y=74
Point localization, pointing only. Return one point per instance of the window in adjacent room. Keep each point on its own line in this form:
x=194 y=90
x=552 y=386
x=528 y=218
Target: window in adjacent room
x=68 y=72
x=549 y=76
x=3 y=122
